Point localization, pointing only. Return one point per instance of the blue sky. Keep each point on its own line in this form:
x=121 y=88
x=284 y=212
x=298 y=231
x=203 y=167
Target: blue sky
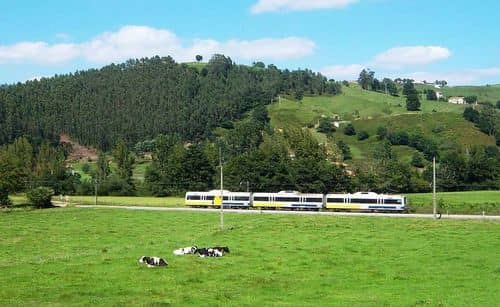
x=458 y=41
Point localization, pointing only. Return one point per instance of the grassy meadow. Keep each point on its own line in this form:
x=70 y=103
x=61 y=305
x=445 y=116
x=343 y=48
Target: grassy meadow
x=470 y=202
x=490 y=93
x=145 y=201
x=368 y=110
x=89 y=256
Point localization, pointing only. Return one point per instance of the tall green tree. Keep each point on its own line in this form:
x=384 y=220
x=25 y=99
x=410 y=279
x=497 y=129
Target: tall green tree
x=412 y=100
x=124 y=160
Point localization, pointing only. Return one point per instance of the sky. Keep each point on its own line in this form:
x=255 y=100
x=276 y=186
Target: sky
x=453 y=40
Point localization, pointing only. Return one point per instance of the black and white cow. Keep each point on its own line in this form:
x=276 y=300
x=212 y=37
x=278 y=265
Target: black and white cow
x=185 y=250
x=217 y=251
x=152 y=261
x=223 y=249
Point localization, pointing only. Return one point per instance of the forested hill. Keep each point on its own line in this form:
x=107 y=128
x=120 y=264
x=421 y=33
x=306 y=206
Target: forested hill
x=140 y=99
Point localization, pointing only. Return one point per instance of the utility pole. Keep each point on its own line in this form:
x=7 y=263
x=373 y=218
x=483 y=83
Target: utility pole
x=434 y=210
x=221 y=191
x=95 y=191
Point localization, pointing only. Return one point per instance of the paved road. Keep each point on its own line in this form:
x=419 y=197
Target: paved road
x=393 y=215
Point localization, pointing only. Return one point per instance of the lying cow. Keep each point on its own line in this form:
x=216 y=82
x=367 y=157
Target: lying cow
x=185 y=250
x=152 y=261
x=213 y=251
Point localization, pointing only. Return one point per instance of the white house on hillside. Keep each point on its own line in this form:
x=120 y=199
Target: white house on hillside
x=457 y=100
x=439 y=95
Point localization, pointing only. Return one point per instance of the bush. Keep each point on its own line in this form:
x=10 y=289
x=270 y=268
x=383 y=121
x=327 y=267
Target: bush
x=381 y=132
x=417 y=160
x=40 y=197
x=363 y=135
x=349 y=130
x=400 y=137
x=4 y=199
x=86 y=168
x=325 y=126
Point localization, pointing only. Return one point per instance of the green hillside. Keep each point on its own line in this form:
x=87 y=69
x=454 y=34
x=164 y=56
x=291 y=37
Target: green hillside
x=368 y=110
x=486 y=93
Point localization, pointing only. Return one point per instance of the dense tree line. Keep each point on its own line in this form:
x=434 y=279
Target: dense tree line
x=367 y=81
x=140 y=99
x=486 y=118
x=25 y=165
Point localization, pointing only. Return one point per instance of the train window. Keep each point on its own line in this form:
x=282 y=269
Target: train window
x=314 y=200
x=335 y=200
x=287 y=199
x=392 y=201
x=210 y=197
x=363 y=200
x=241 y=198
x=225 y=197
x=193 y=197
x=261 y=198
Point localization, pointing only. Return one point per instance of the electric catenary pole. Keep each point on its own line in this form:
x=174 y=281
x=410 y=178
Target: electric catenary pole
x=434 y=209
x=221 y=191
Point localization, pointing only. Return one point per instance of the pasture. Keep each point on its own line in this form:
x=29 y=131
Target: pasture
x=470 y=202
x=83 y=256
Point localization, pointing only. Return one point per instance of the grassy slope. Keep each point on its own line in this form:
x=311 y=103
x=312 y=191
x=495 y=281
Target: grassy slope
x=446 y=124
x=75 y=256
x=489 y=93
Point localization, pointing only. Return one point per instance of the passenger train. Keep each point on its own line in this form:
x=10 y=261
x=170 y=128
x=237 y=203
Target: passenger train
x=290 y=200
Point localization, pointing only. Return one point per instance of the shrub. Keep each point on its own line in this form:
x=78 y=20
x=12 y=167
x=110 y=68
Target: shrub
x=363 y=135
x=417 y=160
x=40 y=197
x=4 y=199
x=86 y=168
x=381 y=132
x=325 y=126
x=349 y=130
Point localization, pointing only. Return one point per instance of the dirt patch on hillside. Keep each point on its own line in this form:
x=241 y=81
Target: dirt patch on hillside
x=77 y=151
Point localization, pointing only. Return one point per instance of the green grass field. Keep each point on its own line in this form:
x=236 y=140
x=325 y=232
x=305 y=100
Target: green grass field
x=89 y=257
x=353 y=100
x=470 y=202
x=128 y=201
x=485 y=93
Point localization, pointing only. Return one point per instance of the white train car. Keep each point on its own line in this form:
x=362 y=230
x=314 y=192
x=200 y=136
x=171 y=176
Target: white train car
x=212 y=199
x=287 y=199
x=366 y=201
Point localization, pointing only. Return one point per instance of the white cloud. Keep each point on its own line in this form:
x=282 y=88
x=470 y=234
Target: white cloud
x=342 y=72
x=460 y=77
x=141 y=41
x=38 y=52
x=263 y=6
x=410 y=56
x=130 y=42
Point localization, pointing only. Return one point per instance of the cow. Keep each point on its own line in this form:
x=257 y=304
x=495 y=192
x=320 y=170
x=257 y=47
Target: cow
x=152 y=261
x=185 y=250
x=212 y=251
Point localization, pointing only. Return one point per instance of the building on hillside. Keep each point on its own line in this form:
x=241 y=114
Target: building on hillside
x=439 y=95
x=457 y=100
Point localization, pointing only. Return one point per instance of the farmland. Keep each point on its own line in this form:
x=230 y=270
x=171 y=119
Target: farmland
x=77 y=256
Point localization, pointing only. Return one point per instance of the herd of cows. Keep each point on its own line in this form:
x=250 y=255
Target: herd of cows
x=217 y=251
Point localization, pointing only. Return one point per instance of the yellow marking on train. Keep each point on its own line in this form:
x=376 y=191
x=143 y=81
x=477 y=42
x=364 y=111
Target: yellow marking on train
x=265 y=204
x=198 y=202
x=341 y=206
